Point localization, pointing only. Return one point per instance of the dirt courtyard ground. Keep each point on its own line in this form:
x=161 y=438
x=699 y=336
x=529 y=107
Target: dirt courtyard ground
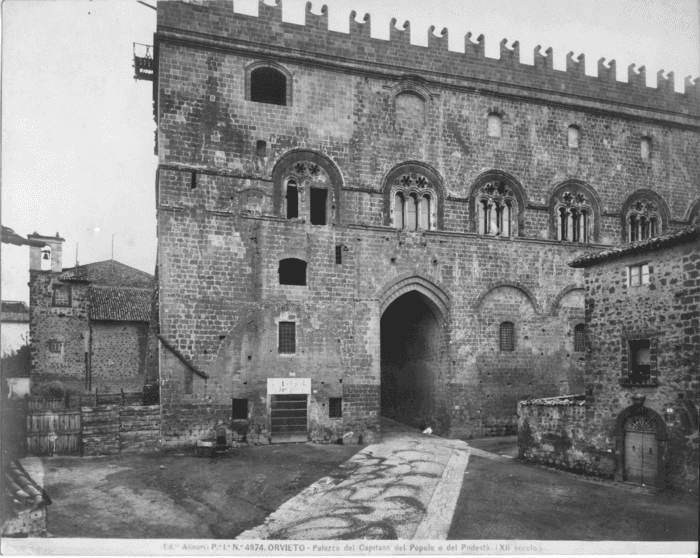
x=176 y=496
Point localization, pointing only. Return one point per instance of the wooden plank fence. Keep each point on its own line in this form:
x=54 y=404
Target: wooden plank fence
x=54 y=432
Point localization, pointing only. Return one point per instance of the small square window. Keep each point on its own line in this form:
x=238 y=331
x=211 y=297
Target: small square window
x=335 y=407
x=240 y=409
x=61 y=295
x=638 y=275
x=55 y=346
x=287 y=337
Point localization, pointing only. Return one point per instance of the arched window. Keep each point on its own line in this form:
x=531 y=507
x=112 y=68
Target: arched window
x=410 y=110
x=574 y=136
x=495 y=125
x=507 y=336
x=268 y=85
x=580 y=338
x=413 y=205
x=574 y=217
x=292 y=272
x=497 y=209
x=643 y=221
x=645 y=148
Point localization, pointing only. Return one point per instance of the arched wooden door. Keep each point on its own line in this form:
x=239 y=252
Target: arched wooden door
x=641 y=451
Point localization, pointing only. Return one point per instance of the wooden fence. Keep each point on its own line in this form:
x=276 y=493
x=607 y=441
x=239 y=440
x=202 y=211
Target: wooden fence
x=54 y=432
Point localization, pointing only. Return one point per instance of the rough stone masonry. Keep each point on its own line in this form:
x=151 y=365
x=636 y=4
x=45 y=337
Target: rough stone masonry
x=386 y=223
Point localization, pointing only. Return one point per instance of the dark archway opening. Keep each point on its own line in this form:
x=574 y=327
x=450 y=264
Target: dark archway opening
x=410 y=341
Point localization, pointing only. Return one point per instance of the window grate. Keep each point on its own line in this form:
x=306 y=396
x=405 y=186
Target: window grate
x=338 y=255
x=579 y=338
x=287 y=337
x=335 y=407
x=507 y=336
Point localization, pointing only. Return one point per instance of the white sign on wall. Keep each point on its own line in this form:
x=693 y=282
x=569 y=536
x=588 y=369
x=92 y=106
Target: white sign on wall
x=284 y=386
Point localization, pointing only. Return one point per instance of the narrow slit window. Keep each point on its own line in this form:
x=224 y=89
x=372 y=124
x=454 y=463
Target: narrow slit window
x=579 y=338
x=335 y=407
x=411 y=212
x=339 y=254
x=507 y=336
x=645 y=148
x=318 y=206
x=239 y=409
x=287 y=337
x=425 y=212
x=399 y=211
x=574 y=136
x=261 y=148
x=292 y=272
x=292 y=200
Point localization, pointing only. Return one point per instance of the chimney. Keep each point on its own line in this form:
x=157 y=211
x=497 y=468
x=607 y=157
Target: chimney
x=48 y=258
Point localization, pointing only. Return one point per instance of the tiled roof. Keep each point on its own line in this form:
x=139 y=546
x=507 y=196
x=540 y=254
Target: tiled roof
x=21 y=490
x=14 y=311
x=110 y=273
x=683 y=236
x=120 y=305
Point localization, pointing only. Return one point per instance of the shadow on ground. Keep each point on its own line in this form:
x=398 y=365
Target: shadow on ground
x=510 y=499
x=171 y=496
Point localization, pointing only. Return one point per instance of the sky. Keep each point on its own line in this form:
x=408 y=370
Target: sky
x=78 y=130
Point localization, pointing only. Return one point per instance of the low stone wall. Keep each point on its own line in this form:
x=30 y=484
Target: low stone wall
x=100 y=429
x=551 y=431
x=139 y=428
x=112 y=429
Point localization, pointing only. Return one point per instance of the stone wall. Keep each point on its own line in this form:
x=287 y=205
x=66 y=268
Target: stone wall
x=666 y=311
x=68 y=326
x=118 y=355
x=552 y=431
x=587 y=433
x=222 y=228
x=113 y=429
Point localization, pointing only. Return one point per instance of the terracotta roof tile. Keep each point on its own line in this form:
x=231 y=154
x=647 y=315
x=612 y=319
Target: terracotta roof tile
x=683 y=236
x=110 y=273
x=120 y=305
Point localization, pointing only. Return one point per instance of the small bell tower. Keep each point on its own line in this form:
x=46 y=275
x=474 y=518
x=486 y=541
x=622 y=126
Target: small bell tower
x=48 y=258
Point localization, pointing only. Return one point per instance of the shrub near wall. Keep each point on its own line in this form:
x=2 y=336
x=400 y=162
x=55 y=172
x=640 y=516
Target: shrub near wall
x=551 y=432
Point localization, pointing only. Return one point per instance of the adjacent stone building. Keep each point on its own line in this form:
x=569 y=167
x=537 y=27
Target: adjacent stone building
x=350 y=227
x=88 y=324
x=638 y=420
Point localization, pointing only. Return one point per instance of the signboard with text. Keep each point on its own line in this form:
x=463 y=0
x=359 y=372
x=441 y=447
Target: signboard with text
x=284 y=386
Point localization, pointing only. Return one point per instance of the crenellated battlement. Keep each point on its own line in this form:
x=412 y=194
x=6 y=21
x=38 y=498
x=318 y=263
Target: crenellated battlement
x=217 y=19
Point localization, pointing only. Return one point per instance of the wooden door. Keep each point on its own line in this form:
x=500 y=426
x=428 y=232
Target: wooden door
x=54 y=433
x=288 y=420
x=641 y=451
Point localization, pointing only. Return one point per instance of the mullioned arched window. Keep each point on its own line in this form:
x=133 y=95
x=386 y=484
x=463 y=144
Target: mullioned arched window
x=497 y=209
x=413 y=204
x=574 y=217
x=643 y=221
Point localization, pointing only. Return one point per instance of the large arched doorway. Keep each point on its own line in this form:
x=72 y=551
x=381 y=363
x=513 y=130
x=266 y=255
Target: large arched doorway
x=411 y=329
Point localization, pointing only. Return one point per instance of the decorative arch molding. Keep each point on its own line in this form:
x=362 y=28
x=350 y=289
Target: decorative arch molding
x=554 y=309
x=255 y=190
x=438 y=297
x=419 y=169
x=250 y=68
x=653 y=200
x=693 y=213
x=516 y=285
x=298 y=155
x=412 y=85
x=641 y=411
x=511 y=183
x=580 y=194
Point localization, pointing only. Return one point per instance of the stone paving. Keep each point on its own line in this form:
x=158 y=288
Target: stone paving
x=403 y=488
